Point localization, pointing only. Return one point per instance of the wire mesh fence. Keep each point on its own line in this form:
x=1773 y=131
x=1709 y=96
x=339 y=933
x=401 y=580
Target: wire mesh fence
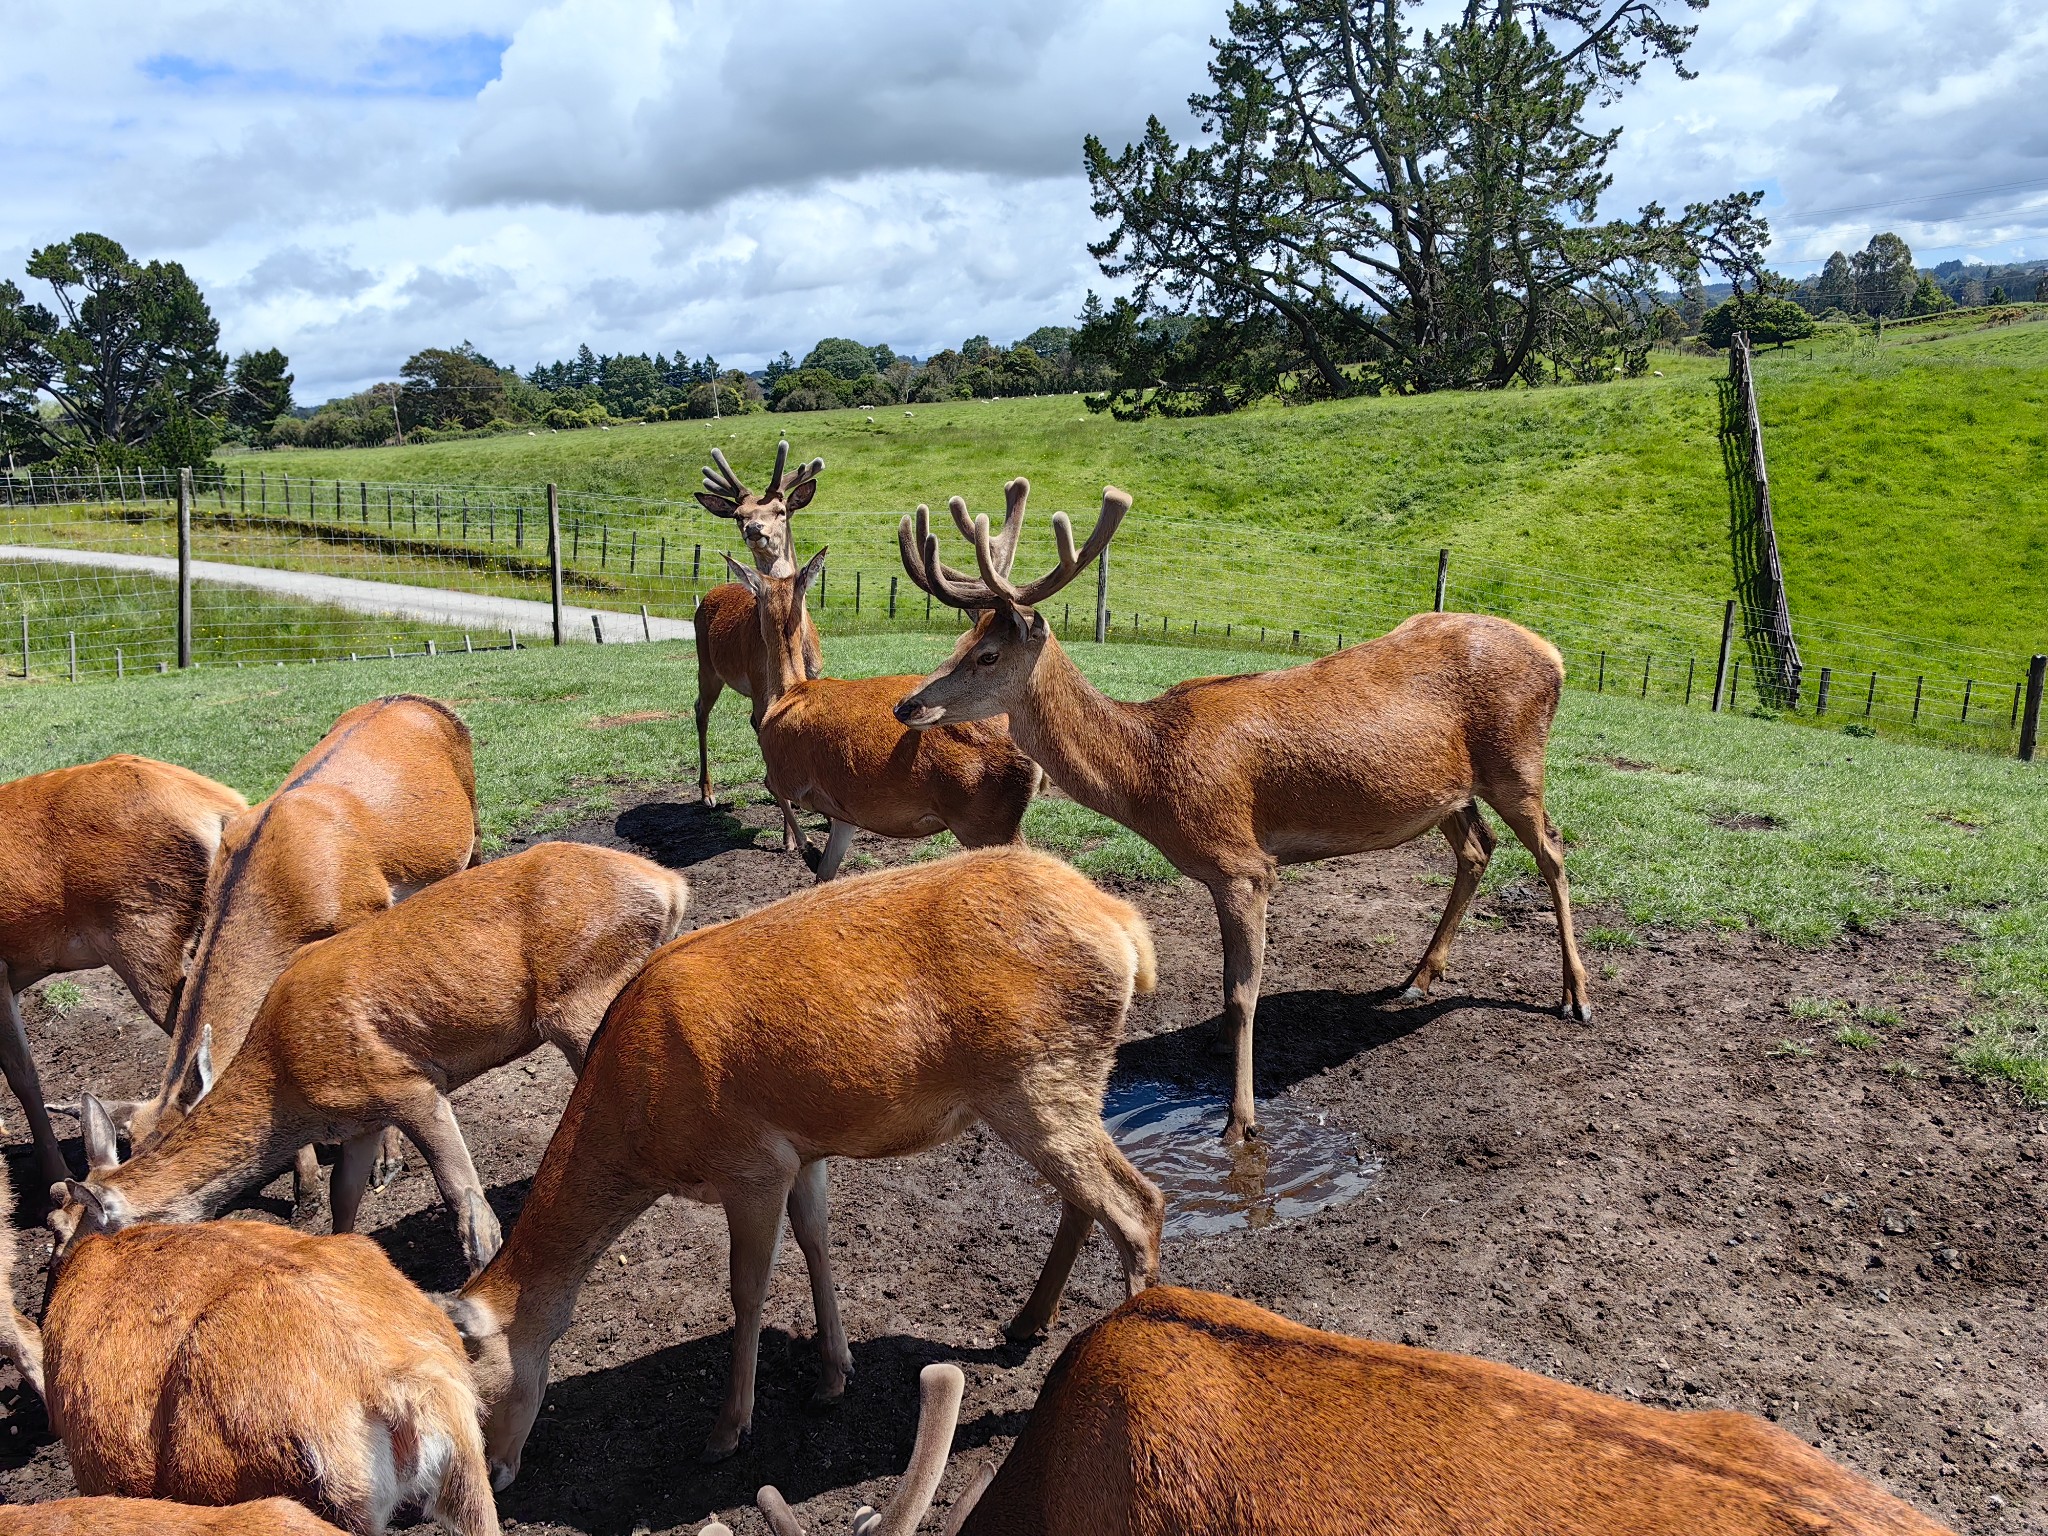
x=285 y=568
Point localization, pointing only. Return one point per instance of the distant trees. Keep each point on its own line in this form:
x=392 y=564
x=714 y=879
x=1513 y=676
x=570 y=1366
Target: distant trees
x=1767 y=318
x=1412 y=208
x=452 y=387
x=259 y=392
x=129 y=358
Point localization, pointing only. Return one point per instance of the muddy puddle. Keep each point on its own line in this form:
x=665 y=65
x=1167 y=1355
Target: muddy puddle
x=1299 y=1165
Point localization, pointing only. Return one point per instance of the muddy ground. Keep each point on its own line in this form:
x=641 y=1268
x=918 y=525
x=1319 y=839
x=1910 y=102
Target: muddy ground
x=1665 y=1204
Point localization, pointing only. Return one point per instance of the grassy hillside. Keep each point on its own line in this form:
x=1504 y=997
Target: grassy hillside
x=1741 y=823
x=1907 y=474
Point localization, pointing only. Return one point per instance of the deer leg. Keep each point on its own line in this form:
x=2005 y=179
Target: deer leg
x=1065 y=1141
x=809 y=1201
x=835 y=850
x=708 y=690
x=432 y=1127
x=1241 y=910
x=19 y=1068
x=354 y=1167
x=390 y=1158
x=1532 y=825
x=792 y=833
x=305 y=1176
x=753 y=1220
x=1471 y=843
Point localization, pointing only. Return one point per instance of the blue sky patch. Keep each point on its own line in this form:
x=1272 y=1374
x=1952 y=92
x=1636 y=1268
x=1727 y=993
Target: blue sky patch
x=400 y=65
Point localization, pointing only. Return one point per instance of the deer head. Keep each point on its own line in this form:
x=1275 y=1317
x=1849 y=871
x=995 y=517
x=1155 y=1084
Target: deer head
x=995 y=659
x=763 y=519
x=779 y=608
x=939 y=1391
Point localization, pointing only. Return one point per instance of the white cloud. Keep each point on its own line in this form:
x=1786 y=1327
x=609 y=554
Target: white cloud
x=740 y=176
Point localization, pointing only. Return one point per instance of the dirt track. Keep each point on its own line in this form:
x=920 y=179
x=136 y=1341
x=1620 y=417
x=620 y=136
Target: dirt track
x=1655 y=1205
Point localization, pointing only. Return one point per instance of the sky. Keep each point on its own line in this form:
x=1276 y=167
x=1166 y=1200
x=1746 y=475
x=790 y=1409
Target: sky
x=738 y=177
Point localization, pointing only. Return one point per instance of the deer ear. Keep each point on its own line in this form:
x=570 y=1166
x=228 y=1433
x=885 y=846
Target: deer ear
x=718 y=506
x=99 y=1209
x=799 y=495
x=813 y=569
x=101 y=1151
x=745 y=575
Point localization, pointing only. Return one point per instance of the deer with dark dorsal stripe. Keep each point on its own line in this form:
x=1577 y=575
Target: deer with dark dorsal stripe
x=102 y=864
x=1185 y=1413
x=1232 y=777
x=728 y=638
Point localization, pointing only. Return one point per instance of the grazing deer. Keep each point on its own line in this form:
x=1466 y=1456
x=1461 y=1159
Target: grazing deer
x=104 y=864
x=834 y=746
x=236 y=1360
x=1184 y=1413
x=1232 y=777
x=161 y=1517
x=383 y=806
x=728 y=639
x=902 y=1007
x=377 y=1025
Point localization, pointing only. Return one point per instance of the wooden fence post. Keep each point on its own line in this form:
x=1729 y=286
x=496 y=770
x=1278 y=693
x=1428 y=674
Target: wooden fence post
x=1443 y=576
x=71 y=651
x=24 y=645
x=2030 y=721
x=554 y=557
x=1102 y=597
x=1820 y=700
x=184 y=568
x=1721 y=666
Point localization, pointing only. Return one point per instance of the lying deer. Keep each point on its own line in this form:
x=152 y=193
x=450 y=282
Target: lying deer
x=377 y=1025
x=902 y=1007
x=834 y=746
x=238 y=1360
x=1184 y=1413
x=1232 y=777
x=382 y=807
x=104 y=864
x=148 y=1517
x=728 y=639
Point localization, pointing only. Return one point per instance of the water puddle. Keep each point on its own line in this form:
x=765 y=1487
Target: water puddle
x=1298 y=1166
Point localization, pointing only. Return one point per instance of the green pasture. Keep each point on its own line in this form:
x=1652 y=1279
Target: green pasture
x=1661 y=807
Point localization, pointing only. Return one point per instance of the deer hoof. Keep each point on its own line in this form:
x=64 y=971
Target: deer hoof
x=1582 y=1011
x=1026 y=1330
x=715 y=1450
x=1414 y=994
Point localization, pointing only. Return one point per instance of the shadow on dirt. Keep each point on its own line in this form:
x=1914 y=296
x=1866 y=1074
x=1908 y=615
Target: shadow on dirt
x=680 y=835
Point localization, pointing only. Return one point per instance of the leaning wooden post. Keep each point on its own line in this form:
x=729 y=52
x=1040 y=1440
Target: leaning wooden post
x=1721 y=667
x=555 y=555
x=2030 y=722
x=184 y=568
x=1443 y=576
x=1102 y=597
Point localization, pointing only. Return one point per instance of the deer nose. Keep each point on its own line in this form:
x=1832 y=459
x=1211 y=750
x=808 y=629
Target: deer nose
x=904 y=712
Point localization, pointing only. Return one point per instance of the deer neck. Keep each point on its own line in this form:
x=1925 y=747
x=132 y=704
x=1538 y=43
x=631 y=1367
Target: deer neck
x=1093 y=747
x=577 y=1207
x=231 y=1138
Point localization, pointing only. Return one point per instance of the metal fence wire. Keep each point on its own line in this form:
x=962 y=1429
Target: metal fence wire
x=289 y=569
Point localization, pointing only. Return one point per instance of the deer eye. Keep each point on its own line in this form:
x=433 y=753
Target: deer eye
x=986 y=659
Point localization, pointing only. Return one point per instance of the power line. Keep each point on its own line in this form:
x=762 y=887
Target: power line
x=1927 y=197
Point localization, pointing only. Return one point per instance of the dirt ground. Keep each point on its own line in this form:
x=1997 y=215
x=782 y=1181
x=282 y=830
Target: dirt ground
x=1665 y=1204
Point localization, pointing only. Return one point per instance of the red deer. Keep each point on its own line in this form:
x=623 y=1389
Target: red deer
x=160 y=1517
x=383 y=806
x=377 y=1025
x=834 y=746
x=1184 y=1413
x=728 y=639
x=104 y=864
x=236 y=1360
x=901 y=1007
x=1232 y=777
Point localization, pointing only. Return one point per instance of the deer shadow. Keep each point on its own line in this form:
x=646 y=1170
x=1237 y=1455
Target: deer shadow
x=616 y=1449
x=680 y=834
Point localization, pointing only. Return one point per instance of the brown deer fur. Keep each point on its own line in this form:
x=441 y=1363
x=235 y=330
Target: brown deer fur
x=105 y=864
x=379 y=1024
x=21 y=1342
x=383 y=806
x=728 y=638
x=148 y=1517
x=835 y=746
x=1232 y=777
x=901 y=1007
x=1184 y=1413
x=236 y=1360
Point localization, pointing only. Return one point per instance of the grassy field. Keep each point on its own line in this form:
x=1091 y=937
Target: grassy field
x=1867 y=831
x=1907 y=476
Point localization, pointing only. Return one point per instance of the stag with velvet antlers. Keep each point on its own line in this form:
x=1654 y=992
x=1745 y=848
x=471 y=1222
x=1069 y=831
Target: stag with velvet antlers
x=1232 y=777
x=729 y=652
